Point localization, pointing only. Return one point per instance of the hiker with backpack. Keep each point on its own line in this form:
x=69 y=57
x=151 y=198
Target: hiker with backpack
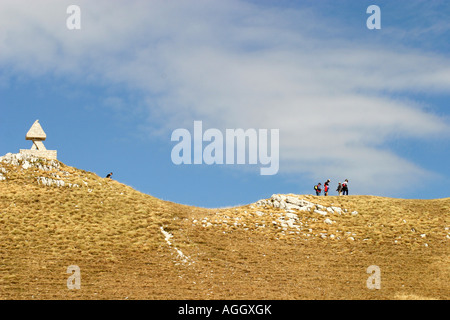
x=339 y=189
x=345 y=188
x=318 y=189
x=326 y=187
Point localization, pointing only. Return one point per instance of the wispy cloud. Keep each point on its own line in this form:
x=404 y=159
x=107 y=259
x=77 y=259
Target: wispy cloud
x=235 y=64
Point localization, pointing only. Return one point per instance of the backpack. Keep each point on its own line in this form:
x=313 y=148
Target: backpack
x=316 y=188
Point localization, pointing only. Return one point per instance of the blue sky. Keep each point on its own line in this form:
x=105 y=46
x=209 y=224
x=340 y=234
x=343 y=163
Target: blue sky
x=367 y=105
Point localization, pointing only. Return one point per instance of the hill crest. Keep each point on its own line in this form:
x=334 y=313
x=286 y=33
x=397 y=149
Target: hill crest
x=284 y=247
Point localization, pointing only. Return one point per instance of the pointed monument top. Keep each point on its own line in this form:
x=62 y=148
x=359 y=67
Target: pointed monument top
x=36 y=132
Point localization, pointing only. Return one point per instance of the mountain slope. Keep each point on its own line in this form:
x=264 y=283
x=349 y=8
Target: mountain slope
x=130 y=245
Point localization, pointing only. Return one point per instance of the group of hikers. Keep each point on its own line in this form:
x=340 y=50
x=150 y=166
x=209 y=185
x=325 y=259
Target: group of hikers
x=342 y=188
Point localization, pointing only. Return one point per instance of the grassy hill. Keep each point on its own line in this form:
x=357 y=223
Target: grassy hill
x=130 y=245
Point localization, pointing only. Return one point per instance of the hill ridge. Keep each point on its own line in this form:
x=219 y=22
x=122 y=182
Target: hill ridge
x=133 y=245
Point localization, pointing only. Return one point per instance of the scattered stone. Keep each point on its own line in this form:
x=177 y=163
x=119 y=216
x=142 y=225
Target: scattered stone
x=27 y=161
x=291 y=216
x=337 y=210
x=323 y=213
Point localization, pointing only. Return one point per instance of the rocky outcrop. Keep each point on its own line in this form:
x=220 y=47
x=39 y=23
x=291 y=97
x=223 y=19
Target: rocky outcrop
x=286 y=202
x=53 y=182
x=26 y=162
x=285 y=216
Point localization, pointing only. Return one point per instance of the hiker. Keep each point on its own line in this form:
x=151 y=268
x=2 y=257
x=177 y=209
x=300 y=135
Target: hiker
x=345 y=188
x=339 y=189
x=326 y=187
x=109 y=175
x=318 y=189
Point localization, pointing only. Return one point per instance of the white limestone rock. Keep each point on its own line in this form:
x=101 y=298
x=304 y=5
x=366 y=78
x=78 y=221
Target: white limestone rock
x=323 y=213
x=291 y=216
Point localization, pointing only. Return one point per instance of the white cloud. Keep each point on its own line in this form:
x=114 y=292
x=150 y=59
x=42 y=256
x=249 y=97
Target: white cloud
x=232 y=64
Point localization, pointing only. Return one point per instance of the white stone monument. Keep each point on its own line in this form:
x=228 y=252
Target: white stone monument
x=37 y=135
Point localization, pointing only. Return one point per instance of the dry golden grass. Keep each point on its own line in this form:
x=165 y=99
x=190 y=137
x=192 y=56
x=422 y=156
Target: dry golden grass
x=113 y=233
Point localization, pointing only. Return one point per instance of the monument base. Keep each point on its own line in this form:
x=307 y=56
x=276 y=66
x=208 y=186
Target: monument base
x=47 y=154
